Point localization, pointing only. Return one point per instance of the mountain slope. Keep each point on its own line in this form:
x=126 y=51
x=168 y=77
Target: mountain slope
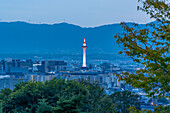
x=63 y=38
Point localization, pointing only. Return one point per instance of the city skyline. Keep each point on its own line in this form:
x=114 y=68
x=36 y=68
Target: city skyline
x=47 y=67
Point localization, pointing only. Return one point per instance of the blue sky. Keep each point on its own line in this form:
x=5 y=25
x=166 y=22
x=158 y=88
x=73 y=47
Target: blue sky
x=80 y=12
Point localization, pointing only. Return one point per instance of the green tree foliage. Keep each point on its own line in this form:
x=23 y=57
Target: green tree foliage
x=68 y=106
x=44 y=107
x=106 y=106
x=124 y=100
x=4 y=94
x=134 y=110
x=149 y=46
x=158 y=109
x=58 y=94
x=161 y=109
x=4 y=98
x=1 y=106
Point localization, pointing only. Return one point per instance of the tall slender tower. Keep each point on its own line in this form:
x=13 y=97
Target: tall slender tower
x=84 y=54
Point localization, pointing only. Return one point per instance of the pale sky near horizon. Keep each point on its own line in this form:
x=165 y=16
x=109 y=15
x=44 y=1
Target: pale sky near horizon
x=86 y=13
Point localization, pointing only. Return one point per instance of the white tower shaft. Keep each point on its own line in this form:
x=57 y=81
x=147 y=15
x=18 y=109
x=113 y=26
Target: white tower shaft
x=84 y=57
x=84 y=53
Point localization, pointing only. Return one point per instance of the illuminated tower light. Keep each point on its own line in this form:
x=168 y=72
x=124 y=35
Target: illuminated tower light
x=84 y=53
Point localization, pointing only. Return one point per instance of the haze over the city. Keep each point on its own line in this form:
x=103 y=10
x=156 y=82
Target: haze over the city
x=86 y=13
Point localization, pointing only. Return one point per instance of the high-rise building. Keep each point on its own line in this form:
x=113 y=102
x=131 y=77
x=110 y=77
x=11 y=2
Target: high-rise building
x=84 y=66
x=52 y=66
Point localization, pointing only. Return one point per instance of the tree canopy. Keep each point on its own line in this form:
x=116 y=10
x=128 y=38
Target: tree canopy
x=57 y=95
x=150 y=47
x=124 y=100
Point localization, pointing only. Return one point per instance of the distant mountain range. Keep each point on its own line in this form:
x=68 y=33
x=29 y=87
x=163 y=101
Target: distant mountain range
x=63 y=38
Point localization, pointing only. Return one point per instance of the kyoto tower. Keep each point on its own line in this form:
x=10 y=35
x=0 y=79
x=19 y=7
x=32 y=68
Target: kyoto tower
x=84 y=54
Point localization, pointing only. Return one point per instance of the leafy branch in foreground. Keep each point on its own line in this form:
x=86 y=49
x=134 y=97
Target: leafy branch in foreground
x=149 y=46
